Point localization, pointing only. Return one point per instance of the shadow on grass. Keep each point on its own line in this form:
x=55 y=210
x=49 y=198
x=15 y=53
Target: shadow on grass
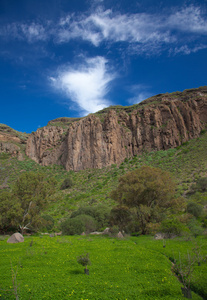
x=76 y=272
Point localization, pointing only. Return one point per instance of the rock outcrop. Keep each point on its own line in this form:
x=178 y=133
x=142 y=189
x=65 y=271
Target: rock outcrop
x=11 y=141
x=16 y=238
x=109 y=136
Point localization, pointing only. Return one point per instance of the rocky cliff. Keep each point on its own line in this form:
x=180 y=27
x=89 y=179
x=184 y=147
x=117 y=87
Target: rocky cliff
x=11 y=141
x=109 y=136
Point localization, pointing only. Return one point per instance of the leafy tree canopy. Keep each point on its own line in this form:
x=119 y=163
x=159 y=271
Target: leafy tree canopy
x=24 y=204
x=150 y=191
x=145 y=186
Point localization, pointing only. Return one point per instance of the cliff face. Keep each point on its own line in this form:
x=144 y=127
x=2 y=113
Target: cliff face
x=11 y=141
x=109 y=136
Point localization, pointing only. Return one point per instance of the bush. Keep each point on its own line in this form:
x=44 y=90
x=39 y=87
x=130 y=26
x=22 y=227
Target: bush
x=172 y=227
x=195 y=227
x=84 y=260
x=99 y=212
x=48 y=222
x=200 y=185
x=72 y=226
x=194 y=209
x=88 y=221
x=67 y=183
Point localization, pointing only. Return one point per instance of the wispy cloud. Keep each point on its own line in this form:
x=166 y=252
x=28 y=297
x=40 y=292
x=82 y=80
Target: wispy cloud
x=87 y=85
x=188 y=19
x=139 y=93
x=29 y=32
x=141 y=30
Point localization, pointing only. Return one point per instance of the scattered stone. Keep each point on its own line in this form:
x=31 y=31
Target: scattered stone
x=83 y=233
x=106 y=231
x=52 y=235
x=159 y=236
x=96 y=233
x=58 y=233
x=120 y=235
x=16 y=238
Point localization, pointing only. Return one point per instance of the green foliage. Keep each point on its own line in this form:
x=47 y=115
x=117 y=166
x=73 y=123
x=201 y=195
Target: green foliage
x=172 y=227
x=195 y=227
x=72 y=226
x=4 y=155
x=48 y=222
x=121 y=216
x=84 y=260
x=145 y=186
x=22 y=207
x=195 y=209
x=67 y=183
x=99 y=212
x=148 y=190
x=88 y=221
x=10 y=211
x=49 y=269
x=201 y=185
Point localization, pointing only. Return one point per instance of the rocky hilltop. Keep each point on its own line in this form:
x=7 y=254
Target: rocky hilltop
x=109 y=136
x=12 y=141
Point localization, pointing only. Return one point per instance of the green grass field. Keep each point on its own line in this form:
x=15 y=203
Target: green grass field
x=133 y=268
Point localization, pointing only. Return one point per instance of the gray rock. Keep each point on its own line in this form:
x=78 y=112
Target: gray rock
x=120 y=235
x=16 y=238
x=106 y=231
x=159 y=236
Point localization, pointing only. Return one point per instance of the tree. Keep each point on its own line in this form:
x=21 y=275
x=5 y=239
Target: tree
x=67 y=183
x=195 y=209
x=149 y=190
x=121 y=216
x=26 y=201
x=10 y=211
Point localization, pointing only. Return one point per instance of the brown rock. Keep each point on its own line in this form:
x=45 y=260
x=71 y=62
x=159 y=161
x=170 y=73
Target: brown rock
x=15 y=238
x=108 y=137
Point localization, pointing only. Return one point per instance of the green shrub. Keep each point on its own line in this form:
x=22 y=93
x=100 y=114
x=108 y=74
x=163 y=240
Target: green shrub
x=195 y=227
x=72 y=226
x=84 y=260
x=48 y=222
x=172 y=227
x=88 y=221
x=195 y=209
x=67 y=183
x=99 y=212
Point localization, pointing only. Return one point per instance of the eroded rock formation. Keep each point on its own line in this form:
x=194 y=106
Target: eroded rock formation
x=109 y=136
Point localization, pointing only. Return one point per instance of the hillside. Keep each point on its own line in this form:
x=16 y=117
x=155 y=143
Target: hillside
x=108 y=137
x=186 y=163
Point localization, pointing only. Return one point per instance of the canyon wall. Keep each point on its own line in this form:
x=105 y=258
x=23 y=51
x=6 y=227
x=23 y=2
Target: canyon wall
x=109 y=136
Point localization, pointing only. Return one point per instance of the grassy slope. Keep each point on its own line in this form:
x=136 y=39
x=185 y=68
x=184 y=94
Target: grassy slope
x=135 y=268
x=186 y=163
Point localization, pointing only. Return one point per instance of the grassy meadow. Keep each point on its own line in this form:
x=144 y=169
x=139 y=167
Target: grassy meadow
x=126 y=269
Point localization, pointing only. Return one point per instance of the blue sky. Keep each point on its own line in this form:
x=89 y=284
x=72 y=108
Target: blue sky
x=69 y=58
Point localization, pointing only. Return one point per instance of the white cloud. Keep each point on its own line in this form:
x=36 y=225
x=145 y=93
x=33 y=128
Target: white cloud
x=188 y=19
x=140 y=93
x=138 y=29
x=142 y=31
x=185 y=49
x=30 y=32
x=87 y=85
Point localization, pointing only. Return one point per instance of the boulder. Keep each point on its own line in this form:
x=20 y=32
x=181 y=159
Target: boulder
x=16 y=238
x=159 y=236
x=106 y=231
x=120 y=235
